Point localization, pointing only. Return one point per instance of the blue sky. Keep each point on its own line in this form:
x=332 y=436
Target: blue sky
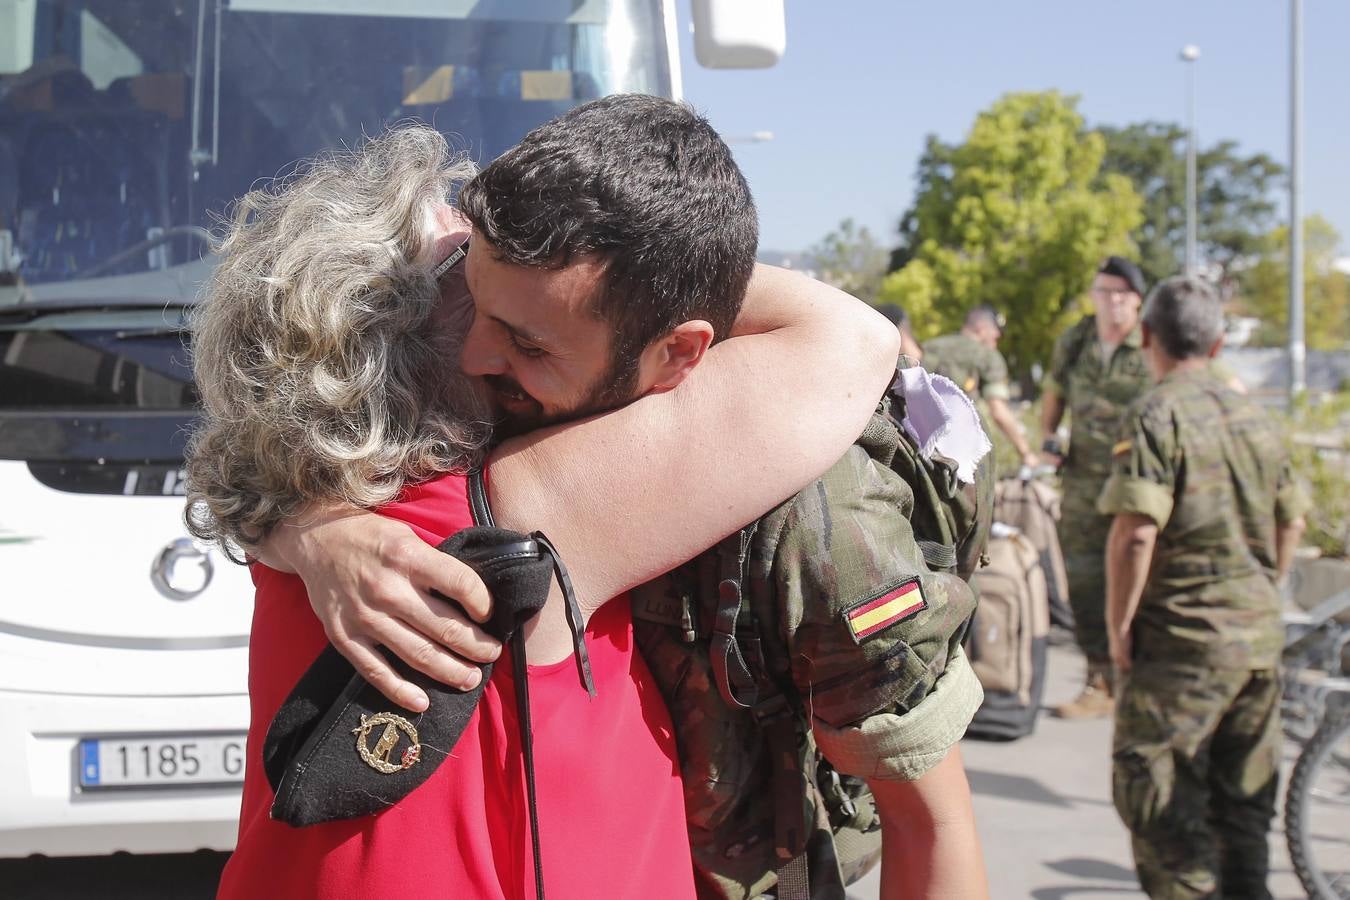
x=863 y=81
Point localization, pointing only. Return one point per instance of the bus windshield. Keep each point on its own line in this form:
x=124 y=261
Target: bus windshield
x=128 y=126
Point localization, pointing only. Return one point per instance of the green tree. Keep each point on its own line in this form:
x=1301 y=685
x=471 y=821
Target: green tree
x=850 y=259
x=1234 y=207
x=1264 y=290
x=1017 y=216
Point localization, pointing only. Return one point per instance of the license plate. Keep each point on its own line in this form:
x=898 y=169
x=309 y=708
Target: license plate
x=154 y=761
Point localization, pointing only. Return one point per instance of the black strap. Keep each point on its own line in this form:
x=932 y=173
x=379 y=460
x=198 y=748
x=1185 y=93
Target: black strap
x=478 y=499
x=482 y=515
x=574 y=621
x=735 y=682
x=521 y=671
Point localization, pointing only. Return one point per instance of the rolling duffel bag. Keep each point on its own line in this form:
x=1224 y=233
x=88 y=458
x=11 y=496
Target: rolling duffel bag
x=1032 y=507
x=1006 y=642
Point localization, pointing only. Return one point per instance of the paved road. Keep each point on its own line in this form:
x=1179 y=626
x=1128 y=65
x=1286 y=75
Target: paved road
x=1044 y=809
x=1043 y=803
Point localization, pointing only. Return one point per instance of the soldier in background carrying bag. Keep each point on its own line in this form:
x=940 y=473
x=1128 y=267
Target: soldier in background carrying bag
x=815 y=657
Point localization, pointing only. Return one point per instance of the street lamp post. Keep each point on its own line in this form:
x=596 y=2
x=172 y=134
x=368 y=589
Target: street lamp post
x=1297 y=349
x=1189 y=54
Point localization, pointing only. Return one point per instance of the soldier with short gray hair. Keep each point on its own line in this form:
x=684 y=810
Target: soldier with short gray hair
x=1206 y=518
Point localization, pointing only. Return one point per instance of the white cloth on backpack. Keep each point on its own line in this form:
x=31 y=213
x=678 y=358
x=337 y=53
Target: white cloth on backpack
x=942 y=420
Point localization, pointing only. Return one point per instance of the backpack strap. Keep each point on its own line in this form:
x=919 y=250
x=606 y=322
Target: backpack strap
x=1077 y=344
x=735 y=682
x=938 y=557
x=744 y=681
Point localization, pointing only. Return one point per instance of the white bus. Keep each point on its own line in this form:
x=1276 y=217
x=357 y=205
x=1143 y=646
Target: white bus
x=126 y=127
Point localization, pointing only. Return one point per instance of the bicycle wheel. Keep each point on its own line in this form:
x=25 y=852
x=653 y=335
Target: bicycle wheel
x=1317 y=812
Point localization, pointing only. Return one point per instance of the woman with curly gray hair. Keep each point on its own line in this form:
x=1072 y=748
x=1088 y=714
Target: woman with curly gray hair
x=325 y=372
x=326 y=352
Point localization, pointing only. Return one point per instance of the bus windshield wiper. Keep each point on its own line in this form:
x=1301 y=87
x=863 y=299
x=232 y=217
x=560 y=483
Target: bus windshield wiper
x=165 y=331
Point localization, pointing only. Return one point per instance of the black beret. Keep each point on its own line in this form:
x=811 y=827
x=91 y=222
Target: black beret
x=1121 y=267
x=338 y=749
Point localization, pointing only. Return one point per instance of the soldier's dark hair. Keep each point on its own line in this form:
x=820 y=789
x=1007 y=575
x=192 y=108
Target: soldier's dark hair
x=646 y=185
x=984 y=314
x=1185 y=316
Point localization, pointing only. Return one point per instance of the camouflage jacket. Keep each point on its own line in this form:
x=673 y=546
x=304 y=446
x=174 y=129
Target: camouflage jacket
x=865 y=637
x=1096 y=392
x=1210 y=468
x=980 y=371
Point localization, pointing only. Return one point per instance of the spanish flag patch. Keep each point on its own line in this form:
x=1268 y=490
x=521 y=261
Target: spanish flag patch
x=1121 y=448
x=870 y=617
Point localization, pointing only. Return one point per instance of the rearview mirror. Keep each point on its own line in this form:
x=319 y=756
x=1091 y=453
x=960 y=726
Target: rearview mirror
x=738 y=34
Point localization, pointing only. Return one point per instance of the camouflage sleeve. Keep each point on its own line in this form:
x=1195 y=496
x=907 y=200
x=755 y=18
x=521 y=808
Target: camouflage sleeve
x=994 y=377
x=894 y=747
x=1056 y=376
x=873 y=634
x=1143 y=472
x=1291 y=500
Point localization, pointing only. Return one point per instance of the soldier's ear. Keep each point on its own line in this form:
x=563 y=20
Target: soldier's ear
x=668 y=360
x=1218 y=346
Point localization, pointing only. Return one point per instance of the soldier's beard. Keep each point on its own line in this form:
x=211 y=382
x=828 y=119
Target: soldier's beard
x=518 y=412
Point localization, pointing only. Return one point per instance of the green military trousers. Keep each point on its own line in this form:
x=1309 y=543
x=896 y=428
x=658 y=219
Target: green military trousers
x=1082 y=538
x=1195 y=770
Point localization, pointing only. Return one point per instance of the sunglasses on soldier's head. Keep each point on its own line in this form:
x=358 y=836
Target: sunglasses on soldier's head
x=455 y=258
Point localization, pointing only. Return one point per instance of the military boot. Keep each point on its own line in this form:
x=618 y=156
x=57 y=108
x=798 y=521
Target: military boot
x=1094 y=702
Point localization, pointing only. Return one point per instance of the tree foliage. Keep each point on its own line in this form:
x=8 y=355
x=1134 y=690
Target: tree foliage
x=1234 y=208
x=1017 y=216
x=851 y=259
x=1264 y=289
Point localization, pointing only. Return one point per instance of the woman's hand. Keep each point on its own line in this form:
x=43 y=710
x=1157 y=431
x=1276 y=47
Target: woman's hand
x=373 y=582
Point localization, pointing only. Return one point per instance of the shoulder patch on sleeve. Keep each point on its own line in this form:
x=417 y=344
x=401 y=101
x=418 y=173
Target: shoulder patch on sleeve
x=1121 y=448
x=875 y=614
x=970 y=384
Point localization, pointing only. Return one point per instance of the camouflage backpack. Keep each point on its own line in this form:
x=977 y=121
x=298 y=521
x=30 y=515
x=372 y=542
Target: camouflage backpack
x=781 y=814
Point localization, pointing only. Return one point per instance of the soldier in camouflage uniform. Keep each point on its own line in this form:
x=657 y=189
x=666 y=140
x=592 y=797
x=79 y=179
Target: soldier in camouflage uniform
x=867 y=640
x=1206 y=517
x=1096 y=372
x=971 y=359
